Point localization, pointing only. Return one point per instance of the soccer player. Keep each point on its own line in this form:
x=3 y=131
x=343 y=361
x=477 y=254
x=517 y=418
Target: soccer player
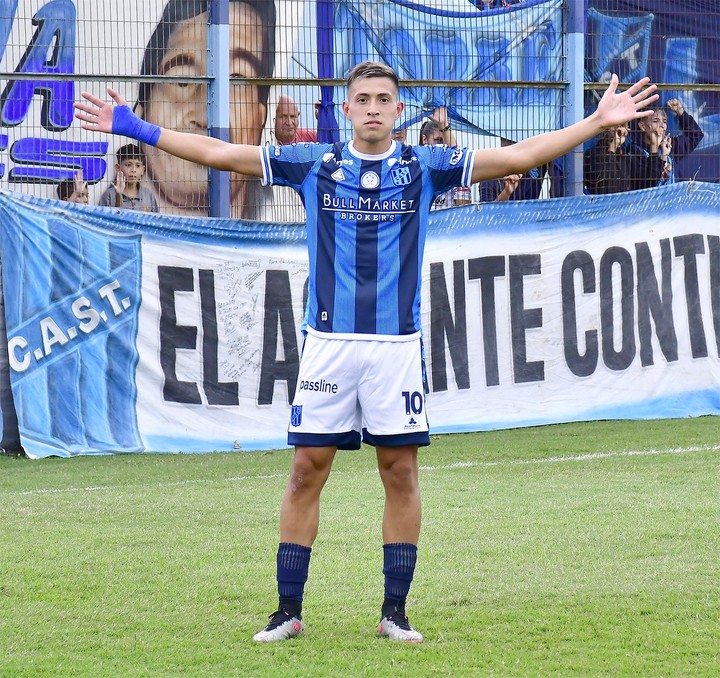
x=361 y=371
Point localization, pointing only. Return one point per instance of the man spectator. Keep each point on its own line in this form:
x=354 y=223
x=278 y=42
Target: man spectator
x=287 y=121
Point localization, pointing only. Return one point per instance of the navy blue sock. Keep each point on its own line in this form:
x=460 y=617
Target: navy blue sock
x=398 y=568
x=293 y=563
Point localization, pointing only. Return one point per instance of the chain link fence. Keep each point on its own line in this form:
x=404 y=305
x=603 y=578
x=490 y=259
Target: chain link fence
x=492 y=72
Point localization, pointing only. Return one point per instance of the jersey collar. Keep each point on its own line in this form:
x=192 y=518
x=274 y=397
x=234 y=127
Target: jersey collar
x=365 y=156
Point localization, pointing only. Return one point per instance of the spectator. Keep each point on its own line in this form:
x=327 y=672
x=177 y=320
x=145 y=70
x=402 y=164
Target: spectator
x=432 y=134
x=287 y=205
x=74 y=190
x=486 y=5
x=400 y=135
x=287 y=120
x=526 y=186
x=499 y=190
x=127 y=192
x=652 y=161
x=607 y=167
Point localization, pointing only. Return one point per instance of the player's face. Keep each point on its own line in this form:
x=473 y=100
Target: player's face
x=373 y=108
x=184 y=107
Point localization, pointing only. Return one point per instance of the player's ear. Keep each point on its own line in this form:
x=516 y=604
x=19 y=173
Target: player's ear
x=346 y=109
x=400 y=108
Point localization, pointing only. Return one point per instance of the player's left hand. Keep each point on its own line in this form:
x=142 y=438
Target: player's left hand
x=616 y=107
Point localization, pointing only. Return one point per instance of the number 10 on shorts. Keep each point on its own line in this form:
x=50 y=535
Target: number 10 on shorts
x=413 y=402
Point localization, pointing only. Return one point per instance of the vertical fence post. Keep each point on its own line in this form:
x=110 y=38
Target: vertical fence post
x=219 y=99
x=575 y=95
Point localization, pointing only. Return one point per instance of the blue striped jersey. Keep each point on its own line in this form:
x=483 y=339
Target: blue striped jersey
x=367 y=219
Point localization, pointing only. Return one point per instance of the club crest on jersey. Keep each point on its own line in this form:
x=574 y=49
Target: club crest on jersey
x=296 y=415
x=338 y=175
x=456 y=157
x=400 y=176
x=370 y=180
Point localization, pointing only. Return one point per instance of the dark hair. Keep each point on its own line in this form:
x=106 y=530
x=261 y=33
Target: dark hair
x=65 y=189
x=428 y=129
x=129 y=152
x=372 y=69
x=177 y=11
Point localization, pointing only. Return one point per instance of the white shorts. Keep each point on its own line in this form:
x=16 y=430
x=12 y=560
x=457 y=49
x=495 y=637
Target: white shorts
x=348 y=387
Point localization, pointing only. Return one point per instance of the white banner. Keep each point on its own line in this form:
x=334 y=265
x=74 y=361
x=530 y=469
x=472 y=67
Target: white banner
x=140 y=332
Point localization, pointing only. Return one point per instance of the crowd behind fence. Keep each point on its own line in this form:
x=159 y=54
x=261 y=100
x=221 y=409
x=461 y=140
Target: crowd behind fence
x=488 y=72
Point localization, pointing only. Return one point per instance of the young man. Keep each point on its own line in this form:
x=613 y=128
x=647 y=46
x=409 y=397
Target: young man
x=652 y=158
x=367 y=202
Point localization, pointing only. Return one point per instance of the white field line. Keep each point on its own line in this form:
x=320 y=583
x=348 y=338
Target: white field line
x=579 y=457
x=442 y=467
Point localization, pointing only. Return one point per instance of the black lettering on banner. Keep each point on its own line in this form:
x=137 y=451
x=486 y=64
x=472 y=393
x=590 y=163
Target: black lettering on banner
x=688 y=247
x=216 y=392
x=442 y=325
x=523 y=319
x=714 y=252
x=580 y=364
x=622 y=359
x=278 y=314
x=173 y=279
x=656 y=303
x=486 y=269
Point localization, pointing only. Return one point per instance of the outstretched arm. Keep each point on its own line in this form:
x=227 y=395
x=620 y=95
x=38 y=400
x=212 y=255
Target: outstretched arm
x=613 y=109
x=102 y=116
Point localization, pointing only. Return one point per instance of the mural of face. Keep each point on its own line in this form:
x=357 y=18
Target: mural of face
x=182 y=186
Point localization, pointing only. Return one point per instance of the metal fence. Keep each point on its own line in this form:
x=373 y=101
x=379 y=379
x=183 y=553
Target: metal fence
x=258 y=71
x=675 y=44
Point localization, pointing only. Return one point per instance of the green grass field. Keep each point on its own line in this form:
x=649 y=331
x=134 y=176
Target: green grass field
x=583 y=549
